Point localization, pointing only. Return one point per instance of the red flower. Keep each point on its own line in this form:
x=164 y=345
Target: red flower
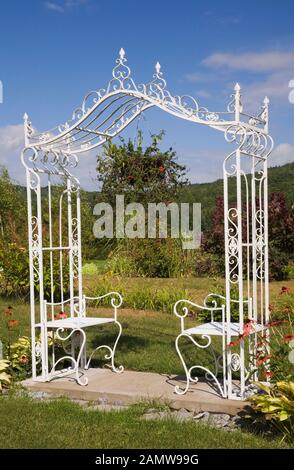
x=285 y=290
x=288 y=338
x=61 y=316
x=23 y=359
x=267 y=374
x=162 y=169
x=259 y=362
x=8 y=311
x=12 y=323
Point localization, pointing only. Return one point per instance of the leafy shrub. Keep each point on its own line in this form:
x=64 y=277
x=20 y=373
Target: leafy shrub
x=5 y=377
x=161 y=258
x=15 y=275
x=121 y=263
x=14 y=267
x=215 y=301
x=289 y=270
x=206 y=264
x=276 y=405
x=141 y=299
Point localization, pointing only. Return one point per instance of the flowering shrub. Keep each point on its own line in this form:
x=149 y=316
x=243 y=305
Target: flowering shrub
x=20 y=355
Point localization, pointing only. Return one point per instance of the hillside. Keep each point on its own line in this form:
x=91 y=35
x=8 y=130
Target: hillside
x=280 y=178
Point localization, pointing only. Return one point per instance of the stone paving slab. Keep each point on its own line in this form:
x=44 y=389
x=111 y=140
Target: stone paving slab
x=129 y=387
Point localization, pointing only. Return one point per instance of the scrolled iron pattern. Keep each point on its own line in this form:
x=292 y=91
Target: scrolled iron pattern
x=75 y=246
x=260 y=243
x=71 y=137
x=75 y=362
x=116 y=299
x=188 y=372
x=233 y=258
x=35 y=248
x=235 y=362
x=111 y=352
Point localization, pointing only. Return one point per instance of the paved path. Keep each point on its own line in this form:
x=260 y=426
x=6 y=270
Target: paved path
x=107 y=387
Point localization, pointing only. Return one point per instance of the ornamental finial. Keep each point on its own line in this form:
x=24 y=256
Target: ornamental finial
x=157 y=68
x=266 y=101
x=237 y=87
x=122 y=53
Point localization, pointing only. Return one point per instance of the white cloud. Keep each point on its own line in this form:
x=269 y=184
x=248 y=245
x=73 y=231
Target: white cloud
x=265 y=74
x=11 y=143
x=199 y=77
x=203 y=94
x=54 y=7
x=252 y=61
x=275 y=86
x=64 y=5
x=282 y=154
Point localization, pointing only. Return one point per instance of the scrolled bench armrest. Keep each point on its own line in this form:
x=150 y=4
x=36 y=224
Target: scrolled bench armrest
x=184 y=308
x=116 y=299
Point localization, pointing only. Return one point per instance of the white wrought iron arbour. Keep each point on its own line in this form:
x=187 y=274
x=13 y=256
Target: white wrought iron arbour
x=52 y=156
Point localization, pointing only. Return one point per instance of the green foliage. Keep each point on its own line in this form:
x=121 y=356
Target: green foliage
x=12 y=209
x=205 y=263
x=152 y=258
x=15 y=275
x=140 y=174
x=14 y=269
x=5 y=377
x=289 y=270
x=276 y=404
x=141 y=299
x=215 y=301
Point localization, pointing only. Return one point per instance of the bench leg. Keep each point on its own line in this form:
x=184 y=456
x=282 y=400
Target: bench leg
x=188 y=372
x=111 y=352
x=75 y=362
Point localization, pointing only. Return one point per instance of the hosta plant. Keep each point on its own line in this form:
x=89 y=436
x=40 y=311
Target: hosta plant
x=276 y=404
x=5 y=377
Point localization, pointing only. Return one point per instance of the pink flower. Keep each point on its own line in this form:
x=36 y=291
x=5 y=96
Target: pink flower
x=61 y=316
x=23 y=359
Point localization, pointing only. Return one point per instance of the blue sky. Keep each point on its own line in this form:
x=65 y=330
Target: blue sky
x=53 y=52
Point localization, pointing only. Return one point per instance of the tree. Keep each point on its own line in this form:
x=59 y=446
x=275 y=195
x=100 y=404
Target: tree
x=140 y=174
x=12 y=211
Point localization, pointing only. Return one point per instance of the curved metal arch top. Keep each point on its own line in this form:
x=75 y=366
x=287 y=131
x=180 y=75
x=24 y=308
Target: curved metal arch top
x=104 y=113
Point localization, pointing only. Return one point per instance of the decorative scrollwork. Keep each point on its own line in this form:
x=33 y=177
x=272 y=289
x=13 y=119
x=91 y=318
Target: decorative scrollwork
x=75 y=362
x=74 y=138
x=235 y=362
x=233 y=245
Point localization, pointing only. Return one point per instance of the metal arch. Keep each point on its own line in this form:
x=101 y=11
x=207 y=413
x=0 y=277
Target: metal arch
x=104 y=113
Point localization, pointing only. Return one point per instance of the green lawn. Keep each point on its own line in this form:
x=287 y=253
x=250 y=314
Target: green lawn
x=60 y=424
x=147 y=342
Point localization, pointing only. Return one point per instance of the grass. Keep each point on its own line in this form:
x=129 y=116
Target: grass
x=147 y=342
x=61 y=424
